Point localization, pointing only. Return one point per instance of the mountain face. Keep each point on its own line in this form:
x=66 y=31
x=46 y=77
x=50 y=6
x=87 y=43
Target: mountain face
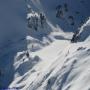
x=12 y=36
x=36 y=52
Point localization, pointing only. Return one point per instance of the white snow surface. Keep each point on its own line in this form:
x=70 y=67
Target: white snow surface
x=54 y=62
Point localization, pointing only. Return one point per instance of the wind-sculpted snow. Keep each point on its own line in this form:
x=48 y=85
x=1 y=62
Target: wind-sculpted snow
x=44 y=58
x=65 y=68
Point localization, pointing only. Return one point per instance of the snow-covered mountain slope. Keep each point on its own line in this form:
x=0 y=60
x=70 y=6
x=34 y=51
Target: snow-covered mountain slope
x=54 y=63
x=60 y=66
x=79 y=9
x=84 y=31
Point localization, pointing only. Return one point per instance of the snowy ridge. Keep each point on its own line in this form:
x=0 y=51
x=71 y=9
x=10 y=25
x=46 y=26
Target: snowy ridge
x=60 y=66
x=44 y=58
x=84 y=31
x=64 y=69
